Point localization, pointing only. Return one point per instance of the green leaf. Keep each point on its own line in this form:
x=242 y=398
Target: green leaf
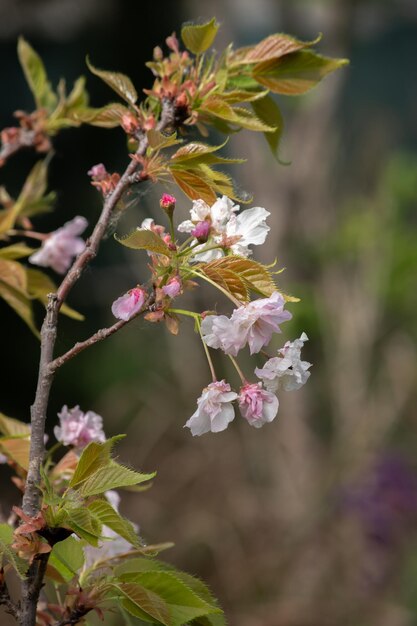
x=11 y=427
x=32 y=199
x=84 y=524
x=108 y=116
x=15 y=251
x=295 y=73
x=78 y=96
x=36 y=77
x=158 y=140
x=183 y=603
x=238 y=275
x=120 y=83
x=13 y=284
x=112 y=476
x=142 y=239
x=8 y=554
x=272 y=47
x=16 y=449
x=194 y=186
x=94 y=456
x=197 y=152
x=243 y=95
x=32 y=192
x=199 y=37
x=217 y=107
x=113 y=520
x=67 y=557
x=97 y=472
x=38 y=287
x=144 y=604
x=268 y=111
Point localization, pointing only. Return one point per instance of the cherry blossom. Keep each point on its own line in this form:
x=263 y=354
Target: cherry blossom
x=224 y=227
x=77 y=428
x=217 y=215
x=252 y=324
x=129 y=304
x=214 y=409
x=249 y=227
x=61 y=246
x=287 y=371
x=257 y=405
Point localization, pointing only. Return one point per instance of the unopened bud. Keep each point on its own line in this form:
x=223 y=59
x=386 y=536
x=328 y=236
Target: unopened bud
x=167 y=203
x=201 y=231
x=129 y=123
x=158 y=55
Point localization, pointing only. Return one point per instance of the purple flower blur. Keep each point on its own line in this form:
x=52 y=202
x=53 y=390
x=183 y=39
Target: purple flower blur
x=386 y=500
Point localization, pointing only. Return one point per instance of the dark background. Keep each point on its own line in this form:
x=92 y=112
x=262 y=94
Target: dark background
x=311 y=520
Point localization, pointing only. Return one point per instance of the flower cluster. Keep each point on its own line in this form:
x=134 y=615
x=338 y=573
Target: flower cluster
x=78 y=429
x=221 y=227
x=252 y=324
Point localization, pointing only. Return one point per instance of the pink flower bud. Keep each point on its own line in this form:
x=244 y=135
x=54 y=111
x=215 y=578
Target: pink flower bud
x=173 y=287
x=173 y=43
x=167 y=202
x=129 y=304
x=98 y=172
x=201 y=231
x=129 y=123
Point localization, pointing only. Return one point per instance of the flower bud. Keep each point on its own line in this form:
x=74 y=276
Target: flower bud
x=167 y=203
x=201 y=231
x=173 y=287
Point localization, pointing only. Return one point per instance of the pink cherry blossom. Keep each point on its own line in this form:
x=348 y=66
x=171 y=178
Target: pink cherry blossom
x=129 y=304
x=214 y=409
x=219 y=332
x=77 y=428
x=173 y=287
x=286 y=371
x=98 y=172
x=257 y=405
x=258 y=320
x=61 y=246
x=252 y=324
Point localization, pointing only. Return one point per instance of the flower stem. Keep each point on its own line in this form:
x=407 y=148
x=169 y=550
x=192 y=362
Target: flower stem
x=206 y=350
x=28 y=233
x=237 y=368
x=197 y=319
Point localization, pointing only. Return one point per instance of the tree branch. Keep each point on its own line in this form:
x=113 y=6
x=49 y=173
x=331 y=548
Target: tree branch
x=32 y=584
x=101 y=334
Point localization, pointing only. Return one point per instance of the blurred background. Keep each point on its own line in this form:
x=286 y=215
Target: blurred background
x=310 y=521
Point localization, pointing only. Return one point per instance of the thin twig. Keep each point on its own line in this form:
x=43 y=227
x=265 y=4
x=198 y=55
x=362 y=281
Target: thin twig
x=101 y=334
x=26 y=140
